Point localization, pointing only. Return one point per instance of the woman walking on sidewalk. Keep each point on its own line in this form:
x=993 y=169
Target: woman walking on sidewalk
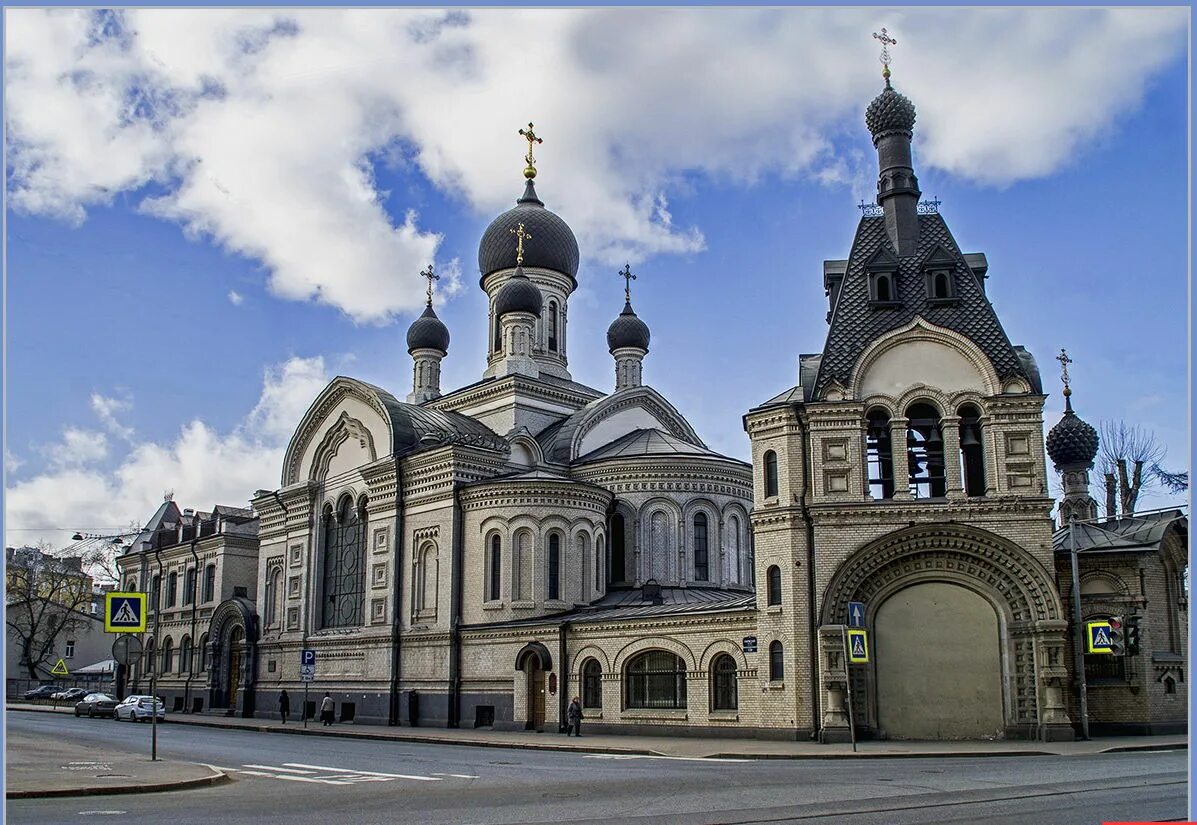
x=326 y=709
x=284 y=705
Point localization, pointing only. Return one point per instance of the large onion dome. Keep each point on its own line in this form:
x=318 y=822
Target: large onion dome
x=1072 y=441
x=627 y=331
x=553 y=245
x=518 y=295
x=890 y=111
x=428 y=332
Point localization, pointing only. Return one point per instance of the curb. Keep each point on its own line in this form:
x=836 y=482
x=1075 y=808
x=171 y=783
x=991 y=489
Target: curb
x=215 y=778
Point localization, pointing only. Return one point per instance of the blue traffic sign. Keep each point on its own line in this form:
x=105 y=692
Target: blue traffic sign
x=124 y=612
x=856 y=614
x=307 y=657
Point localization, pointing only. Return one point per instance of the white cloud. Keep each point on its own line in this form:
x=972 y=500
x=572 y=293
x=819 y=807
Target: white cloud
x=261 y=127
x=77 y=448
x=203 y=466
x=12 y=462
x=107 y=409
x=235 y=298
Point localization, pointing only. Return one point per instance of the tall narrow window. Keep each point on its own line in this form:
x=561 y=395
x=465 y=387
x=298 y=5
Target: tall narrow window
x=972 y=463
x=189 y=586
x=584 y=566
x=148 y=657
x=202 y=653
x=496 y=567
x=733 y=565
x=172 y=589
x=924 y=451
x=155 y=591
x=723 y=683
x=185 y=655
x=600 y=562
x=701 y=567
x=521 y=566
x=209 y=582
x=879 y=455
x=773 y=578
x=592 y=685
x=770 y=474
x=344 y=576
x=168 y=656
x=552 y=325
x=554 y=566
x=498 y=334
x=776 y=662
x=618 y=537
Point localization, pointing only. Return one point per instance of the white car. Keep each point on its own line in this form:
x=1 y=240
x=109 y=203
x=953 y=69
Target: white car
x=137 y=708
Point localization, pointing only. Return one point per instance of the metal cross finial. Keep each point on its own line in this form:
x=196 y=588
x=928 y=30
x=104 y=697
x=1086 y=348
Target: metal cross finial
x=1064 y=362
x=628 y=277
x=886 y=42
x=431 y=276
x=520 y=237
x=530 y=136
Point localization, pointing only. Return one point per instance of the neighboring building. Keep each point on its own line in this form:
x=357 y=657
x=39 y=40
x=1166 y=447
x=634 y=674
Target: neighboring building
x=197 y=568
x=81 y=644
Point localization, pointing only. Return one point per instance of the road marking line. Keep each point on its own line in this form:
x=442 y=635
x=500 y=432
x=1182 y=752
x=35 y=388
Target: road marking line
x=364 y=773
x=276 y=768
x=457 y=775
x=296 y=778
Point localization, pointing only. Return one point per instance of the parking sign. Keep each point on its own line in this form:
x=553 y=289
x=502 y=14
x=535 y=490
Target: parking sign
x=307 y=665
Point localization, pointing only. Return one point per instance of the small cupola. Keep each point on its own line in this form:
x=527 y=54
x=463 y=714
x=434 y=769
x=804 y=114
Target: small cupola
x=628 y=338
x=427 y=344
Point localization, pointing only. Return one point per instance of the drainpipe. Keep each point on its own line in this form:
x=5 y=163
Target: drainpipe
x=396 y=600
x=563 y=667
x=455 y=612
x=813 y=640
x=156 y=665
x=308 y=567
x=194 y=606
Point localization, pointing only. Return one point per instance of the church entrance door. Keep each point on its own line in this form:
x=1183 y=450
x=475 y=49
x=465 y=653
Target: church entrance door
x=939 y=668
x=536 y=693
x=234 y=680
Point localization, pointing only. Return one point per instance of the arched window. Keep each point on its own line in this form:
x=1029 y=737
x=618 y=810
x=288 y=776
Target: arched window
x=656 y=679
x=972 y=458
x=770 y=474
x=202 y=653
x=773 y=585
x=941 y=285
x=496 y=568
x=554 y=566
x=723 y=683
x=148 y=657
x=185 y=654
x=883 y=286
x=592 y=684
x=884 y=293
x=168 y=656
x=131 y=584
x=552 y=326
x=701 y=566
x=155 y=591
x=662 y=549
x=924 y=451
x=344 y=575
x=189 y=586
x=879 y=455
x=274 y=597
x=618 y=540
x=776 y=662
x=498 y=327
x=209 y=582
x=521 y=566
x=732 y=570
x=172 y=589
x=584 y=566
x=600 y=562
x=427 y=574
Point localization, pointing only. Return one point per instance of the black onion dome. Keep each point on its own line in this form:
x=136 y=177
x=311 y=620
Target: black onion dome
x=518 y=295
x=627 y=331
x=553 y=245
x=428 y=332
x=1072 y=441
x=890 y=111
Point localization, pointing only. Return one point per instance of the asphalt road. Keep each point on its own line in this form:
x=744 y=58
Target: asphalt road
x=322 y=780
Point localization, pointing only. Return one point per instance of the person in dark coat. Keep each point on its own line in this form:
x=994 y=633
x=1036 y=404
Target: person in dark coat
x=284 y=705
x=327 y=709
x=574 y=716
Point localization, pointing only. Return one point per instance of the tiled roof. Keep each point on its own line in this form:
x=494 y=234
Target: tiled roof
x=1132 y=533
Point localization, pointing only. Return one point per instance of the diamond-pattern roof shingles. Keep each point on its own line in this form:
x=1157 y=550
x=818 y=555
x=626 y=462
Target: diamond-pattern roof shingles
x=855 y=324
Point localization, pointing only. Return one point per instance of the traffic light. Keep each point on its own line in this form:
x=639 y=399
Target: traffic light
x=1132 y=635
x=1117 y=636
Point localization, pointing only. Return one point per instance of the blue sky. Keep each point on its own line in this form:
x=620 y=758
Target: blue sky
x=200 y=235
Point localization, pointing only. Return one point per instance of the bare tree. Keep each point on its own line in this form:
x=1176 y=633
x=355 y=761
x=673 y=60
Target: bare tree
x=1130 y=461
x=47 y=595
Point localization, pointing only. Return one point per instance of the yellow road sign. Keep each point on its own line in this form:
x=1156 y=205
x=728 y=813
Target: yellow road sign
x=1098 y=638
x=60 y=669
x=858 y=646
x=124 y=612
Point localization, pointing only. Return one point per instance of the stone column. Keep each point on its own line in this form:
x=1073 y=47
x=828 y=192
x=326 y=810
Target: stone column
x=953 y=475
x=833 y=680
x=901 y=463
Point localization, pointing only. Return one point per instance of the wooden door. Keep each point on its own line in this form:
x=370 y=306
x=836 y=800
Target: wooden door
x=536 y=697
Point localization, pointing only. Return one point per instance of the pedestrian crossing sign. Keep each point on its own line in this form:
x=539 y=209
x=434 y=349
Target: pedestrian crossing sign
x=60 y=669
x=858 y=647
x=1098 y=638
x=124 y=612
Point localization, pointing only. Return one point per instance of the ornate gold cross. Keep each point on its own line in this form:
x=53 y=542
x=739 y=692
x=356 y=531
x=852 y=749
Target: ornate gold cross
x=628 y=277
x=520 y=237
x=431 y=276
x=886 y=42
x=1064 y=362
x=530 y=136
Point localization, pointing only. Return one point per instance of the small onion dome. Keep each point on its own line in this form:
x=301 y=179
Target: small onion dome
x=890 y=111
x=518 y=295
x=1072 y=441
x=627 y=331
x=427 y=332
x=553 y=245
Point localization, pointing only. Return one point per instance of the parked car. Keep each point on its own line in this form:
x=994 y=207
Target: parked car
x=43 y=692
x=96 y=704
x=70 y=694
x=136 y=708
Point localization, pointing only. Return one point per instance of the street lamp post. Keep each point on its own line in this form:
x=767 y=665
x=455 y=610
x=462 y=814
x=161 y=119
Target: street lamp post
x=1079 y=634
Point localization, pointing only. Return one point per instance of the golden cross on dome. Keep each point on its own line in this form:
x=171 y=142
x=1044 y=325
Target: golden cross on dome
x=431 y=276
x=628 y=277
x=886 y=42
x=520 y=237
x=530 y=136
x=1064 y=362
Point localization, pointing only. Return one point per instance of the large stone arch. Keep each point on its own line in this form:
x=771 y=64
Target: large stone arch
x=939 y=349
x=232 y=642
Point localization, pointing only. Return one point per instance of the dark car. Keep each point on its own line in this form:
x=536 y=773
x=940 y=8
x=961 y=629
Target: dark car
x=96 y=704
x=43 y=692
x=70 y=695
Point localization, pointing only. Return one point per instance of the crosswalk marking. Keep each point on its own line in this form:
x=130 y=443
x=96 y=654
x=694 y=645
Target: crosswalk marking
x=365 y=773
x=276 y=768
x=296 y=778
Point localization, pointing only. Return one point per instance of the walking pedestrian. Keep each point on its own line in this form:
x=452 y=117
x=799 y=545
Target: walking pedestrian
x=326 y=709
x=284 y=705
x=574 y=717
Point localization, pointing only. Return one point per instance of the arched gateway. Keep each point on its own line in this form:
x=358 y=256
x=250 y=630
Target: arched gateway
x=233 y=637
x=967 y=637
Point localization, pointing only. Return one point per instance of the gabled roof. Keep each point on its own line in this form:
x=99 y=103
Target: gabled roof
x=647 y=442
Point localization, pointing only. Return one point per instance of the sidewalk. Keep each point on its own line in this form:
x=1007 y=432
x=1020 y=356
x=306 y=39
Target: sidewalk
x=677 y=747
x=40 y=768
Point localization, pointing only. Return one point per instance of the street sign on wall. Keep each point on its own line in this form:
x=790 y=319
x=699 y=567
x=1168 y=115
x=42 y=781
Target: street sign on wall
x=858 y=647
x=856 y=614
x=749 y=645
